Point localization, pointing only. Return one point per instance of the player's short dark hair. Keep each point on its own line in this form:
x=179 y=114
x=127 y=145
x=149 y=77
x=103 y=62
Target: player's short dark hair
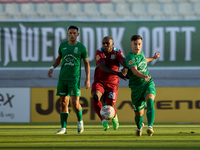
x=108 y=37
x=135 y=37
x=73 y=27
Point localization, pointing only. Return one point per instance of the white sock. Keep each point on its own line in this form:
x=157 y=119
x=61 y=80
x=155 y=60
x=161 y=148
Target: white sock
x=103 y=121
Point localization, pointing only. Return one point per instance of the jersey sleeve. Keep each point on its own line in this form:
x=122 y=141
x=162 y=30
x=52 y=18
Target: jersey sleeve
x=120 y=55
x=99 y=57
x=84 y=53
x=59 y=51
x=130 y=62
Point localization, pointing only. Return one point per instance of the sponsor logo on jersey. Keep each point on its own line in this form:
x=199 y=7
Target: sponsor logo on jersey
x=130 y=62
x=76 y=50
x=97 y=57
x=113 y=56
x=64 y=48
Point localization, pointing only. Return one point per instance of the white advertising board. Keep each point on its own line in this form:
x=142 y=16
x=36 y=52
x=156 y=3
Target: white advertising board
x=14 y=104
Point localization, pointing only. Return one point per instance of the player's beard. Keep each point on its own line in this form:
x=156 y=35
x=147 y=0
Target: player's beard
x=72 y=39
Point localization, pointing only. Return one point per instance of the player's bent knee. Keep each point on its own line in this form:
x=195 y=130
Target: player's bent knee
x=95 y=97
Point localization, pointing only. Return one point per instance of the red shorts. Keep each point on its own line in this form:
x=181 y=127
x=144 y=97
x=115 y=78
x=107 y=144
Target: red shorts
x=109 y=91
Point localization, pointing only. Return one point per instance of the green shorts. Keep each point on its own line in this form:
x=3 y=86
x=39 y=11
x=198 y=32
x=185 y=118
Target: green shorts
x=68 y=88
x=138 y=95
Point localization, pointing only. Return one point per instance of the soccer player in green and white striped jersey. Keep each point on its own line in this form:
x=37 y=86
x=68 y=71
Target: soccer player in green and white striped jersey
x=142 y=87
x=70 y=54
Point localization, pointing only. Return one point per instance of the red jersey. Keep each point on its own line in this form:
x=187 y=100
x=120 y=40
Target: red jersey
x=111 y=60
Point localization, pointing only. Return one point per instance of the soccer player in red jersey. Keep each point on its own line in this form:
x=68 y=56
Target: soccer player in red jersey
x=106 y=78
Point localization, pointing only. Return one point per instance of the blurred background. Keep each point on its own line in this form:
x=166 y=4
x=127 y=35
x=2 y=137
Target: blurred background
x=31 y=31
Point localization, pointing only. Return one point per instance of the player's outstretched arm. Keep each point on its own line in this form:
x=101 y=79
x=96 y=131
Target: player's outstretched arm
x=156 y=56
x=139 y=74
x=104 y=68
x=55 y=64
x=124 y=70
x=87 y=72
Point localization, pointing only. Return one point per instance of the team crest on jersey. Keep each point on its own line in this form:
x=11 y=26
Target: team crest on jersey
x=113 y=56
x=130 y=62
x=97 y=57
x=76 y=50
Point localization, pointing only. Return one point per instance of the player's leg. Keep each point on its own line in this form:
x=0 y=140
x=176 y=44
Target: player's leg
x=62 y=91
x=150 y=113
x=149 y=97
x=138 y=106
x=75 y=93
x=78 y=110
x=111 y=99
x=97 y=105
x=97 y=92
x=139 y=122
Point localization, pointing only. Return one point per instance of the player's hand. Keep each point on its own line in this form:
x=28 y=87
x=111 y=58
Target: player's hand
x=121 y=76
x=156 y=55
x=124 y=71
x=49 y=74
x=87 y=84
x=147 y=78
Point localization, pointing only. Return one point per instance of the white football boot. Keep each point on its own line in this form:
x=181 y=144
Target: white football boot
x=61 y=131
x=80 y=126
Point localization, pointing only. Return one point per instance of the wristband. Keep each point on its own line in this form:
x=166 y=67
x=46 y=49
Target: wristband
x=52 y=67
x=145 y=79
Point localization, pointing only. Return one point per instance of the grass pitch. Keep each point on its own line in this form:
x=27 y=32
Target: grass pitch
x=40 y=136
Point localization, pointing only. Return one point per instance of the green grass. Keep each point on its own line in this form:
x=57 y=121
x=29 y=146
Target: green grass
x=40 y=136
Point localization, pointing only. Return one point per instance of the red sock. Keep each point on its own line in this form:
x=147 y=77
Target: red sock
x=97 y=107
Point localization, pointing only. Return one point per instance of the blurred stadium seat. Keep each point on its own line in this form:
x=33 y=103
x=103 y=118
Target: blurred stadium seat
x=107 y=10
x=180 y=1
x=194 y=1
x=98 y=9
x=170 y=11
x=2 y=13
x=21 y=1
x=133 y=1
x=43 y=11
x=165 y=1
x=75 y=11
x=123 y=11
x=28 y=11
x=12 y=10
x=91 y=10
x=54 y=1
x=37 y=1
x=60 y=11
x=6 y=1
x=70 y=1
x=149 y=1
x=139 y=11
x=197 y=9
x=155 y=11
x=185 y=10
x=101 y=1
x=117 y=1
x=85 y=1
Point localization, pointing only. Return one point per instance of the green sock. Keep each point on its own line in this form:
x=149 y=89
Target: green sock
x=63 y=119
x=150 y=112
x=79 y=114
x=139 y=121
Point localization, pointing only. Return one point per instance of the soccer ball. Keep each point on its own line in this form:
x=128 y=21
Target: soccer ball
x=107 y=112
